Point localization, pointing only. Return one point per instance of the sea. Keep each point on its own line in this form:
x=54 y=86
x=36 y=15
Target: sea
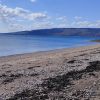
x=18 y=44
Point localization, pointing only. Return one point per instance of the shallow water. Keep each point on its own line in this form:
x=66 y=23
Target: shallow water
x=17 y=44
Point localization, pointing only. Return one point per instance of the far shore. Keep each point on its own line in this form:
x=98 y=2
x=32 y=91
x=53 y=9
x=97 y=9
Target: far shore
x=63 y=74
x=95 y=40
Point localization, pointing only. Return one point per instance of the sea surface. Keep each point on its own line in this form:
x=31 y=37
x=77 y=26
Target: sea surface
x=18 y=44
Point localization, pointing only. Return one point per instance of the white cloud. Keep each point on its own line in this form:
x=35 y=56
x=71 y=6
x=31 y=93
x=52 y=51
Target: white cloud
x=33 y=0
x=83 y=23
x=62 y=18
x=12 y=16
x=19 y=19
x=7 y=12
x=86 y=24
x=77 y=18
x=42 y=25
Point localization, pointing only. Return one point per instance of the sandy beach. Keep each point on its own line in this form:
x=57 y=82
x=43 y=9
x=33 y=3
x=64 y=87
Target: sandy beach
x=65 y=74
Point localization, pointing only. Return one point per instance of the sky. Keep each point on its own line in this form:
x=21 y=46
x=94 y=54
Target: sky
x=21 y=15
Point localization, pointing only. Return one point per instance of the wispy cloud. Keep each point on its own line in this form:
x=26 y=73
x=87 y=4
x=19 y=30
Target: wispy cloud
x=33 y=0
x=10 y=16
x=19 y=19
x=20 y=12
x=77 y=18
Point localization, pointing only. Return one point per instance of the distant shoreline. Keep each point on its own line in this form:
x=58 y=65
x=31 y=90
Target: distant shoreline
x=95 y=40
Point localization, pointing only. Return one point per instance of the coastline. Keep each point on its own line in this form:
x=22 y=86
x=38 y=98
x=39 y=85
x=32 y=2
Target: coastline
x=75 y=49
x=25 y=71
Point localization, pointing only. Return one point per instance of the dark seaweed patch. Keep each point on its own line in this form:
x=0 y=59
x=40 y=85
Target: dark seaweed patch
x=30 y=67
x=34 y=74
x=83 y=54
x=11 y=78
x=30 y=95
x=71 y=61
x=93 y=66
x=57 y=83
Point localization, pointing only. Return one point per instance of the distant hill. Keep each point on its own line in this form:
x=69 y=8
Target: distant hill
x=63 y=32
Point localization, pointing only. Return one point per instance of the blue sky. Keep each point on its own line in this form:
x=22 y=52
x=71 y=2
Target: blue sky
x=19 y=15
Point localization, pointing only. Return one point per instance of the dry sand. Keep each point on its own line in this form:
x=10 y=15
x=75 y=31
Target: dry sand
x=66 y=74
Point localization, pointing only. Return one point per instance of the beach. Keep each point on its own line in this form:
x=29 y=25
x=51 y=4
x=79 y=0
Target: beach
x=62 y=74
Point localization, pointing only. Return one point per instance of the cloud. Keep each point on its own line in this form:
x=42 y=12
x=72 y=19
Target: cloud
x=12 y=16
x=42 y=25
x=86 y=24
x=19 y=19
x=83 y=23
x=20 y=12
x=77 y=18
x=62 y=18
x=33 y=0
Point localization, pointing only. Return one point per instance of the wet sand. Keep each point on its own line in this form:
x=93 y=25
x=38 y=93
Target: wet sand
x=66 y=74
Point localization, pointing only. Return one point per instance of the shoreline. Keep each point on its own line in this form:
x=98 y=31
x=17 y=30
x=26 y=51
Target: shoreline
x=26 y=53
x=51 y=51
x=31 y=72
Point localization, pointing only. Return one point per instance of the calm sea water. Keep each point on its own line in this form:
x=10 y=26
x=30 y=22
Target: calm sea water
x=17 y=44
